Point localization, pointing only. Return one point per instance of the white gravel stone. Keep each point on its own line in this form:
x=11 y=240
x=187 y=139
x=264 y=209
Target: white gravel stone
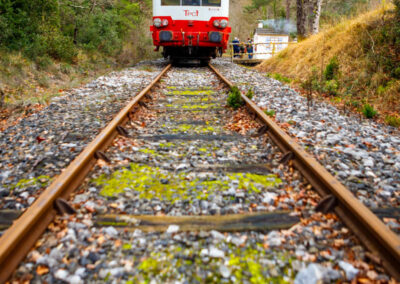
x=111 y=231
x=349 y=269
x=216 y=253
x=225 y=271
x=62 y=274
x=172 y=229
x=75 y=279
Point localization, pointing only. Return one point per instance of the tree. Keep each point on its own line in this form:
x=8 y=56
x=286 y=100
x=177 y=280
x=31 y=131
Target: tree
x=314 y=16
x=288 y=4
x=301 y=18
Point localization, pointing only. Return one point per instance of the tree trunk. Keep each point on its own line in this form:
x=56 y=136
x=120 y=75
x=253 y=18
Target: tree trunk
x=288 y=3
x=317 y=15
x=310 y=15
x=301 y=18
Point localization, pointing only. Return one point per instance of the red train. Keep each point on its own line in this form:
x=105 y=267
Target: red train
x=191 y=29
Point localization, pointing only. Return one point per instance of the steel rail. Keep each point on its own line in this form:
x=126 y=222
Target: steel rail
x=368 y=228
x=22 y=235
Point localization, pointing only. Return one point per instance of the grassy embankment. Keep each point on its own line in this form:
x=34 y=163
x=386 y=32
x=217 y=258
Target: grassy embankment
x=354 y=65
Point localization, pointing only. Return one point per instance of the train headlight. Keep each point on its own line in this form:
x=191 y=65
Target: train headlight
x=216 y=23
x=157 y=22
x=165 y=22
x=223 y=23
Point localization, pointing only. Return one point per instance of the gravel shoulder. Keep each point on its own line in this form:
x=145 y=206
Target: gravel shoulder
x=364 y=155
x=36 y=149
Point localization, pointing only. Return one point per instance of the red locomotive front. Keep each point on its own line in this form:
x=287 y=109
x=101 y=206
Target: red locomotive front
x=191 y=28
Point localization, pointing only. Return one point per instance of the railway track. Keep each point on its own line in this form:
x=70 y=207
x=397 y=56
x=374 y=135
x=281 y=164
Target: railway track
x=162 y=164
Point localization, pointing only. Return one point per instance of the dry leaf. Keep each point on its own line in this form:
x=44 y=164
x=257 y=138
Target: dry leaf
x=41 y=270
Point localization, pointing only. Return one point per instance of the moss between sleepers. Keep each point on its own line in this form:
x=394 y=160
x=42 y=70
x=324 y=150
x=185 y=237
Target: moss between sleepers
x=152 y=182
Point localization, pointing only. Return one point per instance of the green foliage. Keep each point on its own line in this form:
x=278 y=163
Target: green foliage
x=331 y=87
x=392 y=121
x=270 y=112
x=312 y=83
x=332 y=69
x=369 y=111
x=235 y=100
x=57 y=28
x=279 y=77
x=42 y=62
x=396 y=73
x=250 y=93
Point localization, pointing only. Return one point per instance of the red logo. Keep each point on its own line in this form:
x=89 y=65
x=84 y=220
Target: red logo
x=193 y=14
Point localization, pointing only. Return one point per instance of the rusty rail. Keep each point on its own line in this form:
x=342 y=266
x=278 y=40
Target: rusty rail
x=371 y=231
x=22 y=235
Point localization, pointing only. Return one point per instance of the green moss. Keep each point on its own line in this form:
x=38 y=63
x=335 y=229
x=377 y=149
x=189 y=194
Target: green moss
x=198 y=129
x=166 y=145
x=148 y=151
x=146 y=181
x=41 y=181
x=170 y=263
x=126 y=246
x=191 y=92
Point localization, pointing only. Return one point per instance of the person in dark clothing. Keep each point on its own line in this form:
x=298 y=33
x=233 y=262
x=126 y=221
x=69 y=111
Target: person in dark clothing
x=236 y=48
x=249 y=47
x=242 y=49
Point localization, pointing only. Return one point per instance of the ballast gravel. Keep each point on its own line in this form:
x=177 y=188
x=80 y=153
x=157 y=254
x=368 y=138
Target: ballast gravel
x=361 y=153
x=170 y=144
x=38 y=147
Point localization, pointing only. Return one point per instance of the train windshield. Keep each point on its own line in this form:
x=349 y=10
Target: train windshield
x=170 y=2
x=215 y=3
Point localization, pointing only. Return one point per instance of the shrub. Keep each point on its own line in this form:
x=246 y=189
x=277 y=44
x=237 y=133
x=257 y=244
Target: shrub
x=235 y=100
x=65 y=68
x=250 y=93
x=392 y=121
x=270 y=112
x=396 y=73
x=312 y=83
x=331 y=87
x=332 y=69
x=369 y=111
x=42 y=62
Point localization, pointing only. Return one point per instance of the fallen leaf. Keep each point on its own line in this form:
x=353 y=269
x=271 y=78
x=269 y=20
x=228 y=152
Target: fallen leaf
x=41 y=270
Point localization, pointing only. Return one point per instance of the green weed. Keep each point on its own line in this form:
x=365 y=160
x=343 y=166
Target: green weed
x=369 y=111
x=250 y=93
x=332 y=69
x=235 y=100
x=270 y=112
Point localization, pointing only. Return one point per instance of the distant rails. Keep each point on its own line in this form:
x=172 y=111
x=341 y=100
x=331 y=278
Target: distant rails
x=26 y=230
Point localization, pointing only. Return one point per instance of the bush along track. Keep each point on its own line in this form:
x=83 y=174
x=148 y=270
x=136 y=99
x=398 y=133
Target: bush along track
x=181 y=159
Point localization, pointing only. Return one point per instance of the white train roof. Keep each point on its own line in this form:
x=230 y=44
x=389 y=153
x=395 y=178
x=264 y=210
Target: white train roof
x=196 y=10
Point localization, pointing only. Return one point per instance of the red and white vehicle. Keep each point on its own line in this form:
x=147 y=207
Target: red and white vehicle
x=187 y=29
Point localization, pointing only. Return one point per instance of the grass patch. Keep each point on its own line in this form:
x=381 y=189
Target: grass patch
x=279 y=77
x=392 y=120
